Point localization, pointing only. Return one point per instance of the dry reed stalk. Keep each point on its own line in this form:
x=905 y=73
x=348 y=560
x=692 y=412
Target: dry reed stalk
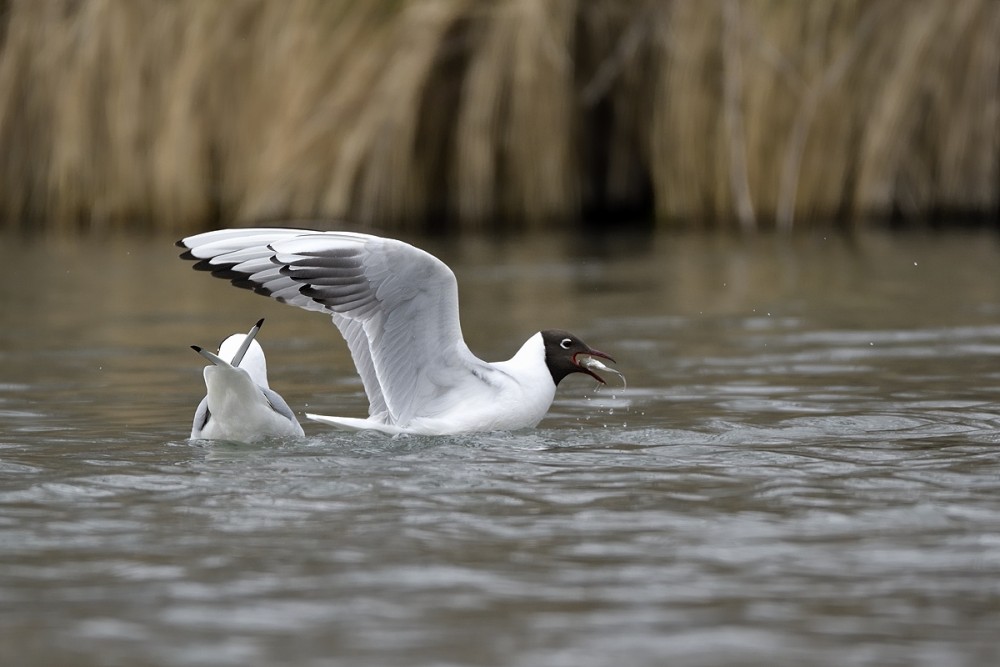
x=732 y=63
x=514 y=156
x=433 y=113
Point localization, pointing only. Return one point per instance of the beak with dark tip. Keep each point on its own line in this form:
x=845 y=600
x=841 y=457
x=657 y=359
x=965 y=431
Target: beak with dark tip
x=591 y=352
x=214 y=358
x=238 y=357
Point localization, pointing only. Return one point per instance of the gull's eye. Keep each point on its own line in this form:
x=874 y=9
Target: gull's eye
x=565 y=343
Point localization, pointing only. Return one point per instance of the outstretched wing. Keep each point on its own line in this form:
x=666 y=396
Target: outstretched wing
x=243 y=256
x=396 y=305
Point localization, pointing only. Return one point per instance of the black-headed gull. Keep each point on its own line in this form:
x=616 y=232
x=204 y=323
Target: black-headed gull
x=239 y=404
x=397 y=308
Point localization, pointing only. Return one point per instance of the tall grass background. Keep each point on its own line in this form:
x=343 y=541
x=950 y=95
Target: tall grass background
x=434 y=114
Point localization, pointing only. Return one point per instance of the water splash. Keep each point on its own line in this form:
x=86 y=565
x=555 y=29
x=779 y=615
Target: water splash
x=593 y=364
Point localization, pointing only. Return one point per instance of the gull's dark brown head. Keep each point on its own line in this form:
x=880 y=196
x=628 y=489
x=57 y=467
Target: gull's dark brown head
x=564 y=354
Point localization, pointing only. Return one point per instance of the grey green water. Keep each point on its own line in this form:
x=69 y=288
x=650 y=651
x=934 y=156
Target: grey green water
x=803 y=470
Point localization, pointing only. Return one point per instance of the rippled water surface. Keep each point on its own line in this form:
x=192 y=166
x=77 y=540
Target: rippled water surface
x=803 y=469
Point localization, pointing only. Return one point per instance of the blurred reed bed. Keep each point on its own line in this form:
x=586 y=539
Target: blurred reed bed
x=433 y=114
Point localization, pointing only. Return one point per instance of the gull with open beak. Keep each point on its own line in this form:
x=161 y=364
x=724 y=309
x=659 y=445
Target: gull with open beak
x=397 y=308
x=239 y=404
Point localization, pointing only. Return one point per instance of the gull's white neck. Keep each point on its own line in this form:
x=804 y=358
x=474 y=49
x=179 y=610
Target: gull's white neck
x=532 y=383
x=528 y=364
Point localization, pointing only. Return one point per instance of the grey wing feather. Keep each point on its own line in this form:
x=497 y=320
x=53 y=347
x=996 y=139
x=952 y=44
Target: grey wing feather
x=244 y=257
x=406 y=302
x=354 y=333
x=279 y=404
x=201 y=417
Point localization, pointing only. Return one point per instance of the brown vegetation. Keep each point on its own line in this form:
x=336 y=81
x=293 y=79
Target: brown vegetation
x=428 y=113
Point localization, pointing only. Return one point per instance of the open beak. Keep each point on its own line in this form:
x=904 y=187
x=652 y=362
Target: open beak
x=240 y=353
x=586 y=367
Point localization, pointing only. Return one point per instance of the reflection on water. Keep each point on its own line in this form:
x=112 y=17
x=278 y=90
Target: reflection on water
x=804 y=468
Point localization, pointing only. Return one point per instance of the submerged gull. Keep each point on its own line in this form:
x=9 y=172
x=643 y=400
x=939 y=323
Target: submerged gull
x=239 y=404
x=397 y=308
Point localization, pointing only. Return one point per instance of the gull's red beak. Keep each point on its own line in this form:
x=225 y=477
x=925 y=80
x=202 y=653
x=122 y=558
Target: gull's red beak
x=591 y=352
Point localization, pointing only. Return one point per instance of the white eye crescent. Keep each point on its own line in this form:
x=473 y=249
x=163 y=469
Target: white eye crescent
x=565 y=343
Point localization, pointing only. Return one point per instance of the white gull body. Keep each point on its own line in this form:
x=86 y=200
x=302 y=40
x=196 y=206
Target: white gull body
x=397 y=308
x=239 y=404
